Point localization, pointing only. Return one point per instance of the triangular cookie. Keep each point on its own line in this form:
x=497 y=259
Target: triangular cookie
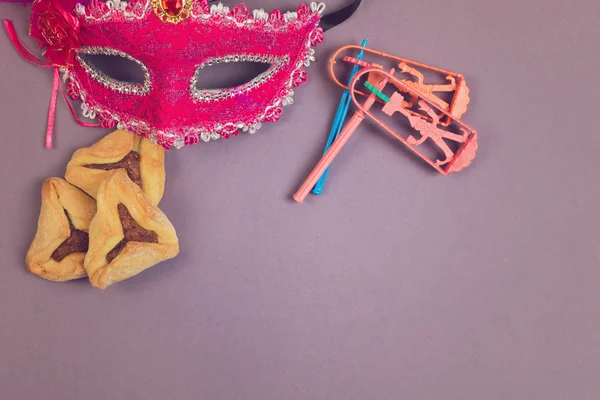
x=143 y=161
x=58 y=248
x=128 y=233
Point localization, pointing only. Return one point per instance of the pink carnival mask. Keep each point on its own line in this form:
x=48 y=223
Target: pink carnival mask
x=171 y=42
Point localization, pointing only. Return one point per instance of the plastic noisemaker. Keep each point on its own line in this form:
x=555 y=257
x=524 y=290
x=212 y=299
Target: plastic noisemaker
x=452 y=142
x=449 y=91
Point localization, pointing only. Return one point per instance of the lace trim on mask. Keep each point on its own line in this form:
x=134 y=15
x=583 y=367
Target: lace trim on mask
x=224 y=93
x=192 y=135
x=99 y=11
x=109 y=82
x=240 y=15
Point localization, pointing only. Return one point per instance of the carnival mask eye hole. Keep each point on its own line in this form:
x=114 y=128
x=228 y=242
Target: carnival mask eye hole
x=116 y=67
x=223 y=77
x=229 y=75
x=115 y=70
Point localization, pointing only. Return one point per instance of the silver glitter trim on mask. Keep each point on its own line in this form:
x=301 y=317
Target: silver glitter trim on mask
x=107 y=81
x=224 y=93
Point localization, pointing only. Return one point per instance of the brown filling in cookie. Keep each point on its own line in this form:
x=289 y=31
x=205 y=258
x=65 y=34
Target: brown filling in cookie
x=131 y=164
x=133 y=233
x=77 y=242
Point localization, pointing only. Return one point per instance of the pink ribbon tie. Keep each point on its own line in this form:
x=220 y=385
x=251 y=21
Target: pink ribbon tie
x=14 y=38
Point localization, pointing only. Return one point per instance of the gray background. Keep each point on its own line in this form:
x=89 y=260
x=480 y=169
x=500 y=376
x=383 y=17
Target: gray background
x=398 y=283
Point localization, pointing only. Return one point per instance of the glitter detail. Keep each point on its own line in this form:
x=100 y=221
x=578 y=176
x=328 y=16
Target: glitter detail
x=224 y=93
x=107 y=81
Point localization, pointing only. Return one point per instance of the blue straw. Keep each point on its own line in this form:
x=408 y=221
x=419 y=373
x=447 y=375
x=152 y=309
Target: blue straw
x=340 y=118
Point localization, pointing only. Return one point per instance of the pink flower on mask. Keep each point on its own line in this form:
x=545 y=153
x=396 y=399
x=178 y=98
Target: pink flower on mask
x=55 y=30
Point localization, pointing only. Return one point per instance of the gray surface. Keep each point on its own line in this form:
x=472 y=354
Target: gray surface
x=396 y=284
